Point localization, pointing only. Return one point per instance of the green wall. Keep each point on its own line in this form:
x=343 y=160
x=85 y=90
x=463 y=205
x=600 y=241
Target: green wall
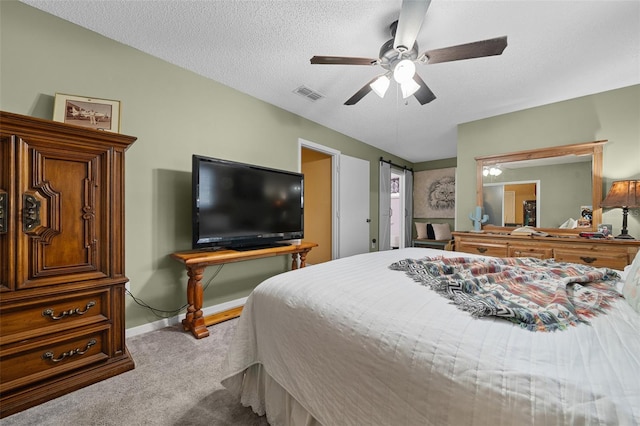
x=612 y=115
x=174 y=113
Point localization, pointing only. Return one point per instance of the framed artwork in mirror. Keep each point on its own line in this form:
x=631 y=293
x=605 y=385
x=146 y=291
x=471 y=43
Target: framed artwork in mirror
x=99 y=114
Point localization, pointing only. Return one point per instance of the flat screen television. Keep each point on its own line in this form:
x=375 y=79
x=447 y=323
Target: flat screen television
x=243 y=206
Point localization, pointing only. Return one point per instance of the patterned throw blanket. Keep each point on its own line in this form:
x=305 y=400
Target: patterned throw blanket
x=539 y=295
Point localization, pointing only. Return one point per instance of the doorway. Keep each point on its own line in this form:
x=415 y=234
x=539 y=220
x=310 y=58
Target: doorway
x=396 y=211
x=318 y=227
x=346 y=191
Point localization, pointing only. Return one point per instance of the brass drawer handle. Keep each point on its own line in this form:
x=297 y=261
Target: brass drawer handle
x=481 y=249
x=586 y=259
x=76 y=311
x=72 y=352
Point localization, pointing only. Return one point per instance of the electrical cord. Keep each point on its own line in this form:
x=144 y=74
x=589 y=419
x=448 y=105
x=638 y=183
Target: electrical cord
x=161 y=313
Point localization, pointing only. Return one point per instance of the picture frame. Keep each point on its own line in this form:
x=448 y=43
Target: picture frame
x=99 y=114
x=434 y=193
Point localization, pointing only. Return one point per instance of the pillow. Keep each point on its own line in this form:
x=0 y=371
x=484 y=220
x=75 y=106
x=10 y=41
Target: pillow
x=442 y=231
x=421 y=229
x=631 y=288
x=430 y=234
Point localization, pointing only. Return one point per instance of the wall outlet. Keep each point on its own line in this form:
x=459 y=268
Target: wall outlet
x=127 y=286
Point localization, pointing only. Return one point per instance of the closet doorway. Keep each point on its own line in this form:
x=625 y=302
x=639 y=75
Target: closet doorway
x=318 y=207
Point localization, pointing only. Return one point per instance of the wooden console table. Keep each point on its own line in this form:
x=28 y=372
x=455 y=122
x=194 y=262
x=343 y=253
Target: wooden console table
x=196 y=261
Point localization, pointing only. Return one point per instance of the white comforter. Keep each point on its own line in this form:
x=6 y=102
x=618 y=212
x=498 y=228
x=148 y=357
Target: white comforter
x=358 y=344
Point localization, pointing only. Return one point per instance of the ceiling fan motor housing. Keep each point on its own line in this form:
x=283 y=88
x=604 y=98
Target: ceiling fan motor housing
x=389 y=56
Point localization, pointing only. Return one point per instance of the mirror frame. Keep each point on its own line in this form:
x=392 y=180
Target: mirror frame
x=591 y=148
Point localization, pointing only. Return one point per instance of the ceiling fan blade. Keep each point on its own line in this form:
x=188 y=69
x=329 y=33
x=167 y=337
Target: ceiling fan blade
x=424 y=95
x=409 y=23
x=477 y=49
x=361 y=93
x=342 y=60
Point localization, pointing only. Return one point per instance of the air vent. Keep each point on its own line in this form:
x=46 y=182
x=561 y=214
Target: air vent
x=310 y=94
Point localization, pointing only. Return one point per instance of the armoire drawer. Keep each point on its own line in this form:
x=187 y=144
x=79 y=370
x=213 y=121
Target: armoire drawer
x=29 y=363
x=35 y=318
x=596 y=258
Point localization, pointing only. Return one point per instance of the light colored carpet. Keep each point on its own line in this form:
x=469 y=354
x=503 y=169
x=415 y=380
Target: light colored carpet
x=176 y=382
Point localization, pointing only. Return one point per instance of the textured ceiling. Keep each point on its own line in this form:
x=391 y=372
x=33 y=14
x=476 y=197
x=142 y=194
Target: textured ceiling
x=556 y=50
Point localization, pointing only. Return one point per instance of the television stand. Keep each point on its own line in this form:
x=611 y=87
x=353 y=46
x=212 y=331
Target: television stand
x=196 y=261
x=260 y=246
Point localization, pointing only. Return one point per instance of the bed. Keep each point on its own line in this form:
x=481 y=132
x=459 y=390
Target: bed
x=353 y=342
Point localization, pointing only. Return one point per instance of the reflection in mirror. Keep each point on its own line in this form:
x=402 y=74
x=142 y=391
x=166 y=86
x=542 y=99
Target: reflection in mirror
x=564 y=182
x=512 y=203
x=564 y=188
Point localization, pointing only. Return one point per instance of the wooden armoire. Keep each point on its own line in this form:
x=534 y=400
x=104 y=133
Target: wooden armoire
x=62 y=278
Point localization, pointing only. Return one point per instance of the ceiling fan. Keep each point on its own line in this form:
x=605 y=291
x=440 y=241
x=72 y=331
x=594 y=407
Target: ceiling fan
x=399 y=55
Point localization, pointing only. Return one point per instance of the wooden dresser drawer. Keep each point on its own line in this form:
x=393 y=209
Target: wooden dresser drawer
x=483 y=248
x=25 y=364
x=35 y=318
x=596 y=258
x=530 y=251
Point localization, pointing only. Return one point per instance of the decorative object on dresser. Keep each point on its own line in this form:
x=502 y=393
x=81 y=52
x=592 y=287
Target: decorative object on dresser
x=601 y=253
x=623 y=194
x=478 y=219
x=62 y=278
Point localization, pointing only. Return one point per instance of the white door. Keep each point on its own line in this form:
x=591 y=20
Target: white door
x=509 y=207
x=384 y=217
x=353 y=210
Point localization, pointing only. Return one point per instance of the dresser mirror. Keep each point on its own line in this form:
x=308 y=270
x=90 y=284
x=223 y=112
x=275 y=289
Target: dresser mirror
x=547 y=188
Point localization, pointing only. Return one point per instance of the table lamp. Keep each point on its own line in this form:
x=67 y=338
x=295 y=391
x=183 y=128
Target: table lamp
x=623 y=194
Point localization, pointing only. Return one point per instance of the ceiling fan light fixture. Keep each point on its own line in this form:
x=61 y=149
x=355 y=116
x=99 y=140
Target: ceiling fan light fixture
x=408 y=88
x=381 y=85
x=404 y=71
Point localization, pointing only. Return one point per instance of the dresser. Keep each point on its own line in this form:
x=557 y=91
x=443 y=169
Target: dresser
x=62 y=272
x=615 y=254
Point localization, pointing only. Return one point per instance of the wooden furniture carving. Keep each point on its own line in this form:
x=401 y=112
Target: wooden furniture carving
x=62 y=259
x=196 y=262
x=615 y=254
x=594 y=149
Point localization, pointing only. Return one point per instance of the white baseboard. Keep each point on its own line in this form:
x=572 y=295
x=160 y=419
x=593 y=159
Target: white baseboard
x=168 y=322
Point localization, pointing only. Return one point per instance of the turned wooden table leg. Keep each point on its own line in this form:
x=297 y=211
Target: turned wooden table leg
x=294 y=261
x=303 y=258
x=194 y=320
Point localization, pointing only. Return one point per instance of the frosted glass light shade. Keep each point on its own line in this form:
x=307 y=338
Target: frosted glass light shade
x=408 y=88
x=404 y=71
x=381 y=85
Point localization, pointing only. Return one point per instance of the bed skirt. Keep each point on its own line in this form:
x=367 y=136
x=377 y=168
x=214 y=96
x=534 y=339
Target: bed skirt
x=258 y=390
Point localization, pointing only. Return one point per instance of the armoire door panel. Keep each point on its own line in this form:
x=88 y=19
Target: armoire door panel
x=8 y=214
x=62 y=211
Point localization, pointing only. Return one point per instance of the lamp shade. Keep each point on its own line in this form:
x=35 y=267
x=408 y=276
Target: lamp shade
x=623 y=193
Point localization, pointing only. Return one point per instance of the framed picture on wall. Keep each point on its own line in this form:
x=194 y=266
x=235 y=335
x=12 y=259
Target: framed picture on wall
x=99 y=114
x=434 y=193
